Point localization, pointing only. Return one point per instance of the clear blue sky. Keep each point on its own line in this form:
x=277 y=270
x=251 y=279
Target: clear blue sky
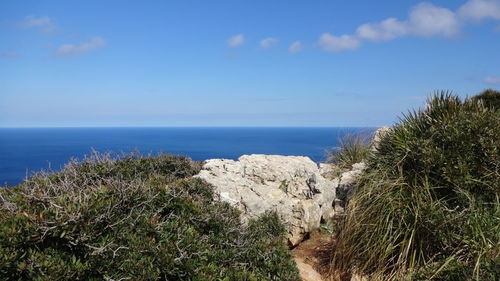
x=239 y=63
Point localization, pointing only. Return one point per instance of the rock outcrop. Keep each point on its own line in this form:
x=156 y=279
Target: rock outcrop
x=291 y=186
x=294 y=187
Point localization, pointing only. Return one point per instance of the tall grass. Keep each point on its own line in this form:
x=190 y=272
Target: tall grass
x=427 y=208
x=353 y=148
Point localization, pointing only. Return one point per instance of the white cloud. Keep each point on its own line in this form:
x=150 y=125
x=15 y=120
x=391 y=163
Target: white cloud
x=385 y=30
x=429 y=20
x=236 y=41
x=295 y=47
x=477 y=10
x=424 y=20
x=332 y=43
x=492 y=80
x=45 y=24
x=9 y=55
x=67 y=50
x=268 y=42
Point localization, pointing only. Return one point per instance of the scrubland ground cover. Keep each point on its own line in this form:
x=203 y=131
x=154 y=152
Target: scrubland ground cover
x=133 y=218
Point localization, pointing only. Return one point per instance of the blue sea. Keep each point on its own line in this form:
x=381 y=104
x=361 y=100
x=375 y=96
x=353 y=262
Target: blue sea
x=27 y=150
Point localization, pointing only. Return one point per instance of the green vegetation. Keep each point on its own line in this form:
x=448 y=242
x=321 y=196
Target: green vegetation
x=427 y=207
x=490 y=98
x=352 y=149
x=134 y=218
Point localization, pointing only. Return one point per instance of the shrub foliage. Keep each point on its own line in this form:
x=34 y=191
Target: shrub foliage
x=427 y=208
x=134 y=218
x=490 y=98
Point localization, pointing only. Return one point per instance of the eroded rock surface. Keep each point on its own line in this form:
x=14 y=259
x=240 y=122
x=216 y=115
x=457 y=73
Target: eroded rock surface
x=291 y=186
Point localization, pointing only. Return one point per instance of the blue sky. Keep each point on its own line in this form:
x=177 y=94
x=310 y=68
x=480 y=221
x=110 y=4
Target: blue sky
x=239 y=63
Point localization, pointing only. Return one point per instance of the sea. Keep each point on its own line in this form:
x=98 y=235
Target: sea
x=24 y=151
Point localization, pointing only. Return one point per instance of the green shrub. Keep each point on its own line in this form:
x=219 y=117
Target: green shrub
x=130 y=166
x=451 y=144
x=352 y=149
x=490 y=98
x=427 y=207
x=133 y=219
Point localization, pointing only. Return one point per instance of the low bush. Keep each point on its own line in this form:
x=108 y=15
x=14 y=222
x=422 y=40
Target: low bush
x=134 y=218
x=427 y=207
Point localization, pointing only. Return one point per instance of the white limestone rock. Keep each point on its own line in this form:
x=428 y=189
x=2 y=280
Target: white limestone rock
x=291 y=186
x=329 y=170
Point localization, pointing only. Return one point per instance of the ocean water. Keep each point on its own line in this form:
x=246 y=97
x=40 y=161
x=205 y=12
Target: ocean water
x=26 y=150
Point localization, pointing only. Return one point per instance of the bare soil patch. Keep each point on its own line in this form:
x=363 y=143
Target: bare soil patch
x=312 y=257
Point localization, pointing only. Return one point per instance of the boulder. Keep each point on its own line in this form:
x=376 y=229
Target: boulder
x=290 y=186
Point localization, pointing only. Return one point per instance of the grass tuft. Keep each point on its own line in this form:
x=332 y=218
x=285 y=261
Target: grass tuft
x=353 y=148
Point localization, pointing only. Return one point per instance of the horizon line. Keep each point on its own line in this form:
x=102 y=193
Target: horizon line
x=94 y=127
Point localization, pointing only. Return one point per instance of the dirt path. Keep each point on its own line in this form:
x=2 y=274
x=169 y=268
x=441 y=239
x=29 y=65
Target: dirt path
x=310 y=257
